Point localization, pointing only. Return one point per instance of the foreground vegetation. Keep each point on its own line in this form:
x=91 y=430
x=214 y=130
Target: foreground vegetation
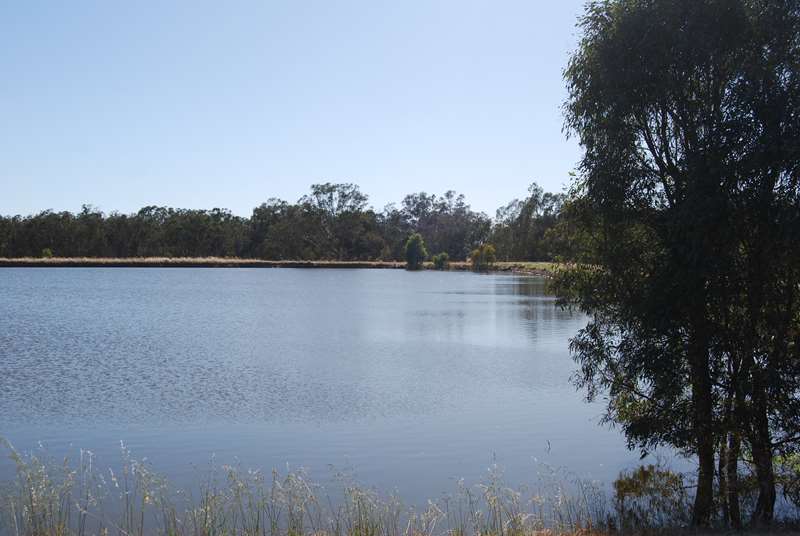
x=59 y=499
x=49 y=498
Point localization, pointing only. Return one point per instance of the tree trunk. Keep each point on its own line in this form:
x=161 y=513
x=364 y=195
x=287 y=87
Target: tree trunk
x=765 y=505
x=703 y=425
x=761 y=444
x=732 y=470
x=735 y=414
x=704 y=498
x=722 y=474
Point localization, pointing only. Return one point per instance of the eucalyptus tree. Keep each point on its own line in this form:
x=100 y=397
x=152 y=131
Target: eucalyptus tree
x=345 y=228
x=6 y=228
x=688 y=112
x=521 y=225
x=447 y=222
x=415 y=252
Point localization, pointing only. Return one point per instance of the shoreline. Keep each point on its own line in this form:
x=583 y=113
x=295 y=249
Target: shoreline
x=515 y=267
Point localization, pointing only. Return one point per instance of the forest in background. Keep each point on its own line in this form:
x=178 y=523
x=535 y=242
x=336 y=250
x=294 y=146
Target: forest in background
x=333 y=222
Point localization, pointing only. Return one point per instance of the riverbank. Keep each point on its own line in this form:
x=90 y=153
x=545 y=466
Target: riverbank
x=47 y=497
x=518 y=267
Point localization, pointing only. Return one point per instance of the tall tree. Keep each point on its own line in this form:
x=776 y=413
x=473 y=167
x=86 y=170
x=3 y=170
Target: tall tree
x=520 y=226
x=687 y=111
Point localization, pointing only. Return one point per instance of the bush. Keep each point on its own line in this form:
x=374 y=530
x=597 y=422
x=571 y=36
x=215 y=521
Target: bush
x=787 y=472
x=483 y=257
x=441 y=261
x=415 y=252
x=47 y=253
x=650 y=496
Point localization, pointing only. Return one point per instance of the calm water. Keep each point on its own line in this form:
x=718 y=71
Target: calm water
x=408 y=381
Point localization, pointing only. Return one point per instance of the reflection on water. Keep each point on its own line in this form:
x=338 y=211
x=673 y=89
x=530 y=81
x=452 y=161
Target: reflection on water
x=413 y=379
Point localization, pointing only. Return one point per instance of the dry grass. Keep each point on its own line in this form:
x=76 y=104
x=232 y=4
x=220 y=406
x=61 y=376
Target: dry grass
x=57 y=499
x=526 y=267
x=538 y=268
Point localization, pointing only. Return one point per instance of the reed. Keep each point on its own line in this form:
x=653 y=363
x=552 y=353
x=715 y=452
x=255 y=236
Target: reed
x=50 y=498
x=57 y=499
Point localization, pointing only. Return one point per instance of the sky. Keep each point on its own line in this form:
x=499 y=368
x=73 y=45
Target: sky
x=202 y=104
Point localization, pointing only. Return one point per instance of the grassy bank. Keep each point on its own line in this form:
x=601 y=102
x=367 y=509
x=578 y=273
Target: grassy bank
x=61 y=499
x=534 y=268
x=64 y=499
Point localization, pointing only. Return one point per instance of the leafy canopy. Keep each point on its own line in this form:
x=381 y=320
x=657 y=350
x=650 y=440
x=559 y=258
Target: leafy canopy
x=415 y=252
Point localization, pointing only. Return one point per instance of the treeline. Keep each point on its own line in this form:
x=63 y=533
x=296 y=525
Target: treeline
x=334 y=222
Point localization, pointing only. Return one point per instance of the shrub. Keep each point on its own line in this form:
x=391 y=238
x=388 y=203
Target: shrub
x=47 y=253
x=415 y=252
x=650 y=496
x=441 y=261
x=483 y=257
x=788 y=476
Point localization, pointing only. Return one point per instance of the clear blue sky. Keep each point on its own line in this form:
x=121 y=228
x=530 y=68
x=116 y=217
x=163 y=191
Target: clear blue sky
x=201 y=104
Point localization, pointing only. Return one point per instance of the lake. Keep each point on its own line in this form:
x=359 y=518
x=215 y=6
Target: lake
x=405 y=381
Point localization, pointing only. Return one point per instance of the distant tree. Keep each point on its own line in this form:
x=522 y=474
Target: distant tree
x=333 y=221
x=6 y=228
x=447 y=222
x=415 y=252
x=119 y=235
x=344 y=227
x=334 y=199
x=520 y=226
x=441 y=261
x=90 y=236
x=395 y=228
x=483 y=257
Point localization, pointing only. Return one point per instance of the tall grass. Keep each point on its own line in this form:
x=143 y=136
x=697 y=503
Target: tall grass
x=49 y=498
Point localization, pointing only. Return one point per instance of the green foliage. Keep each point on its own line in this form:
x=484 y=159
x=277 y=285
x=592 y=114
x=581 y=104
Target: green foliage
x=483 y=257
x=520 y=228
x=415 y=252
x=332 y=222
x=47 y=253
x=650 y=496
x=441 y=261
x=788 y=476
x=447 y=222
x=685 y=215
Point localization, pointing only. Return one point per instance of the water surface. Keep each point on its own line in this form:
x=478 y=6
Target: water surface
x=407 y=380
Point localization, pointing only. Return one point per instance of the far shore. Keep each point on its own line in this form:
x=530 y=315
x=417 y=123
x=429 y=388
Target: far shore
x=520 y=267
